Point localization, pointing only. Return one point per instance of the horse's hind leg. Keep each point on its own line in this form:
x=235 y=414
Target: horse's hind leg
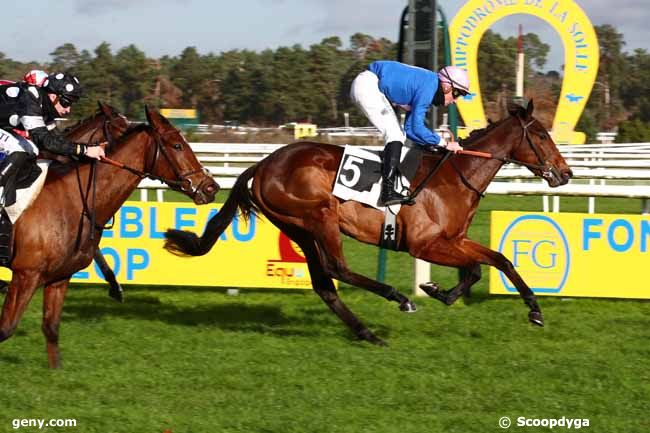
x=470 y=275
x=52 y=307
x=115 y=289
x=330 y=247
x=323 y=285
x=20 y=292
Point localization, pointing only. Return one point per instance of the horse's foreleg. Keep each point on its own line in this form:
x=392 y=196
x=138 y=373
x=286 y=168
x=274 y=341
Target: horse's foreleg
x=493 y=258
x=469 y=254
x=20 y=292
x=115 y=289
x=52 y=307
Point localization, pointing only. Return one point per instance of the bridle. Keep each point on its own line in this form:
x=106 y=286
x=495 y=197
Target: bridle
x=543 y=167
x=182 y=181
x=525 y=135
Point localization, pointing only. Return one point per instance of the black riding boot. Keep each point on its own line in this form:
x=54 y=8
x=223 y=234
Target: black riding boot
x=6 y=238
x=9 y=169
x=389 y=170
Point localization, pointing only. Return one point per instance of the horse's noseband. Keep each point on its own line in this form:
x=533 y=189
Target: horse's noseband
x=183 y=181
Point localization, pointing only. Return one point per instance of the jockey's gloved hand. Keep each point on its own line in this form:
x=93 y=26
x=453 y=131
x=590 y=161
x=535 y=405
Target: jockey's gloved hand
x=453 y=146
x=96 y=152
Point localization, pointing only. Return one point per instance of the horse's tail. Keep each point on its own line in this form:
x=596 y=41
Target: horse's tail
x=183 y=243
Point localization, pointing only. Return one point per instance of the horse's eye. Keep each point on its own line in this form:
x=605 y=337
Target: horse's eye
x=178 y=146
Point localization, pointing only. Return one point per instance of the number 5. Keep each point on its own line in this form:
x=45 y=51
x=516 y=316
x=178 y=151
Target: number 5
x=350 y=165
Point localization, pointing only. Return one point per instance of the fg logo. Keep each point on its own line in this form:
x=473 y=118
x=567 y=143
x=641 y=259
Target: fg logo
x=539 y=251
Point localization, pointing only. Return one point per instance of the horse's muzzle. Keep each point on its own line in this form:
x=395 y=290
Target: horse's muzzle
x=556 y=177
x=206 y=191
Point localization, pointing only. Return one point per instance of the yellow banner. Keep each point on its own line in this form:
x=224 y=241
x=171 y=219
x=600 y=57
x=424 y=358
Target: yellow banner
x=247 y=255
x=581 y=56
x=179 y=113
x=570 y=254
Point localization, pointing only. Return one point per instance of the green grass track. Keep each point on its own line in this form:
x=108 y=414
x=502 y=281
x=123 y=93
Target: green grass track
x=198 y=360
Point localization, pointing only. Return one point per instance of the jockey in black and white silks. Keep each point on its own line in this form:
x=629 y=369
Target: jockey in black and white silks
x=27 y=124
x=27 y=115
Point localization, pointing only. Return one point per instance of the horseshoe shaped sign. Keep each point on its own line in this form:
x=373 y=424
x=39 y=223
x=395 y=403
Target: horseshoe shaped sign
x=581 y=56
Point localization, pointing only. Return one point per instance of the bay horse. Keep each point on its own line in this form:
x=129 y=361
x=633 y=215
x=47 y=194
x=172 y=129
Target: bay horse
x=107 y=124
x=292 y=188
x=53 y=236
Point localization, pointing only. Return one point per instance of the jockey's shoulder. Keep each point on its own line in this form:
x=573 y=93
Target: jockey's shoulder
x=19 y=89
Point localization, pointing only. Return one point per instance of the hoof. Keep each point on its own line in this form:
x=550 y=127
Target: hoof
x=407 y=307
x=116 y=293
x=535 y=317
x=371 y=338
x=430 y=288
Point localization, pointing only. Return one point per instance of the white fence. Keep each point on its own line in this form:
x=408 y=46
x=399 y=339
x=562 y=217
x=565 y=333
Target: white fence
x=611 y=170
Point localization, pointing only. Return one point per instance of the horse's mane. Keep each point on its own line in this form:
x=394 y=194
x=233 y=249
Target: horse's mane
x=83 y=121
x=62 y=168
x=477 y=134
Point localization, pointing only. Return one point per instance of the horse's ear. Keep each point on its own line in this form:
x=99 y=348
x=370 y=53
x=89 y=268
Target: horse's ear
x=155 y=119
x=104 y=108
x=529 y=108
x=514 y=109
x=151 y=115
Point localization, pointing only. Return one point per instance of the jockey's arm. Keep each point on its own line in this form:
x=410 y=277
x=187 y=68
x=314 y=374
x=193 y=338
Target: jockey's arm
x=54 y=142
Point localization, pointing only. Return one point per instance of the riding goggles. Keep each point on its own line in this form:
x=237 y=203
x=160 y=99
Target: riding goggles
x=456 y=93
x=65 y=101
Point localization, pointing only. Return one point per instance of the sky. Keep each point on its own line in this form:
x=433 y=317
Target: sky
x=165 y=27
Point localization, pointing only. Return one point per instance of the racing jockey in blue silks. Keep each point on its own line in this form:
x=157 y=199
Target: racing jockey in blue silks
x=388 y=83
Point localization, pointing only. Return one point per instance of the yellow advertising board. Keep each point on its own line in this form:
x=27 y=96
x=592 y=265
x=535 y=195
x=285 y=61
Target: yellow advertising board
x=179 y=113
x=571 y=254
x=254 y=254
x=581 y=56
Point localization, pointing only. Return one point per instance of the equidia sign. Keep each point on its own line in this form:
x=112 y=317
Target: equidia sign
x=573 y=254
x=581 y=56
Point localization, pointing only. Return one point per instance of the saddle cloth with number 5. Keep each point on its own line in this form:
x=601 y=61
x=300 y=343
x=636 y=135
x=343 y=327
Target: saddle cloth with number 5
x=359 y=175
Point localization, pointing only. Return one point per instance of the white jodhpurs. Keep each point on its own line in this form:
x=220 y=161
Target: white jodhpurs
x=10 y=143
x=366 y=95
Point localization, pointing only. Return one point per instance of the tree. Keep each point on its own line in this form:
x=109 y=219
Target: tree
x=64 y=58
x=137 y=78
x=327 y=64
x=191 y=76
x=633 y=131
x=635 y=85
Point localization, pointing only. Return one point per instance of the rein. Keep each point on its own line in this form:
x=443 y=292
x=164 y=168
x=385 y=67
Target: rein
x=88 y=211
x=182 y=181
x=525 y=135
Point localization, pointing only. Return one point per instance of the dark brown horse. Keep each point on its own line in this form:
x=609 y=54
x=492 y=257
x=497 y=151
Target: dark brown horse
x=53 y=237
x=107 y=124
x=293 y=188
